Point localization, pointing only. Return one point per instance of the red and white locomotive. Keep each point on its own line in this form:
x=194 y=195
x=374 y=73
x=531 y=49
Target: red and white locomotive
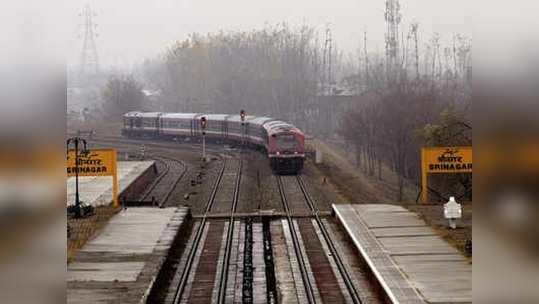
x=283 y=143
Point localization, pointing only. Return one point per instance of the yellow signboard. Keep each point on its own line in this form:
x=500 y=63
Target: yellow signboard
x=443 y=160
x=97 y=162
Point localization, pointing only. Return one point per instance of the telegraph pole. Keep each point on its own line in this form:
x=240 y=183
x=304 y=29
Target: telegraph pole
x=326 y=63
x=415 y=27
x=367 y=76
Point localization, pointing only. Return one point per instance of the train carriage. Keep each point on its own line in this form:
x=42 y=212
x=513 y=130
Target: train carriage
x=282 y=142
x=236 y=131
x=142 y=124
x=176 y=125
x=216 y=126
x=257 y=133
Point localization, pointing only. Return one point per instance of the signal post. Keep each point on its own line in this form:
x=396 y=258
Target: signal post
x=242 y=116
x=203 y=123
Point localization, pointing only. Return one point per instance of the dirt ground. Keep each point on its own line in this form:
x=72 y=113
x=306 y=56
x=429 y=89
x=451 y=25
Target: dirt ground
x=341 y=182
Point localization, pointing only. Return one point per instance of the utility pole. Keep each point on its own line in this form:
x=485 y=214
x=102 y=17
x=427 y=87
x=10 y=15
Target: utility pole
x=415 y=27
x=326 y=63
x=324 y=57
x=367 y=76
x=455 y=69
x=329 y=61
x=89 y=60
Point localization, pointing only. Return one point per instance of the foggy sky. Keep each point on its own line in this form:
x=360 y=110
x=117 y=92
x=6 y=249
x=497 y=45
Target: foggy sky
x=131 y=30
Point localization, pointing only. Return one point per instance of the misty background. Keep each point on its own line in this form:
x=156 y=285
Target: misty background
x=130 y=31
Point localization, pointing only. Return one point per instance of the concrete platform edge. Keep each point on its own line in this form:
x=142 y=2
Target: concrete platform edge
x=163 y=258
x=389 y=293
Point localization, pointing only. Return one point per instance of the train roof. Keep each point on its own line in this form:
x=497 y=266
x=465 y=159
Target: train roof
x=142 y=114
x=260 y=120
x=179 y=115
x=276 y=123
x=279 y=126
x=215 y=117
x=149 y=114
x=270 y=124
x=131 y=114
x=237 y=118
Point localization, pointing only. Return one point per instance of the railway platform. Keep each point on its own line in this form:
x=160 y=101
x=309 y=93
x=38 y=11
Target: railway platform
x=410 y=262
x=97 y=190
x=120 y=265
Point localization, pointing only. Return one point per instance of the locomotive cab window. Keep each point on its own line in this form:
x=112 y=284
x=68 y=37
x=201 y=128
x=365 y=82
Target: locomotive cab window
x=286 y=141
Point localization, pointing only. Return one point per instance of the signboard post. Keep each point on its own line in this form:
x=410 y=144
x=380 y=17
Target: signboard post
x=443 y=160
x=96 y=162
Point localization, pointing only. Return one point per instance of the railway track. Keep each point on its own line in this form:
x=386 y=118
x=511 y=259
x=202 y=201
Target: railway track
x=325 y=287
x=309 y=286
x=211 y=235
x=167 y=180
x=205 y=275
x=163 y=186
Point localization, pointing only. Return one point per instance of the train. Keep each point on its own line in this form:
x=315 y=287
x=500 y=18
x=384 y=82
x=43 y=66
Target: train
x=283 y=143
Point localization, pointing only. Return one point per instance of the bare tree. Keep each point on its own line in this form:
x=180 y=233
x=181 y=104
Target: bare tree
x=121 y=94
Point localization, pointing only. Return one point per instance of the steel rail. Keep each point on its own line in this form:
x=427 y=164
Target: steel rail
x=176 y=181
x=229 y=236
x=157 y=180
x=354 y=294
x=295 y=240
x=198 y=236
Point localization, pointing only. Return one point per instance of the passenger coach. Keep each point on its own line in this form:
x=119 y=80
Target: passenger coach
x=282 y=142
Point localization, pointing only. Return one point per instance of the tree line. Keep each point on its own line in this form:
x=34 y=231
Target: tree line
x=406 y=107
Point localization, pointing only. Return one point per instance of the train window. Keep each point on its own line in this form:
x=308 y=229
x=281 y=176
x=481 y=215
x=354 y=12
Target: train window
x=214 y=126
x=177 y=124
x=234 y=127
x=286 y=141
